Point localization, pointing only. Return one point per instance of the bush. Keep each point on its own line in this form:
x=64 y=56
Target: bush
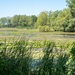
x=44 y=29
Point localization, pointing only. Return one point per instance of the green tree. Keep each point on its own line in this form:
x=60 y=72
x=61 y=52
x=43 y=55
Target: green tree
x=32 y=20
x=71 y=5
x=52 y=18
x=71 y=26
x=3 y=21
x=23 y=21
x=9 y=23
x=15 y=20
x=62 y=21
x=42 y=19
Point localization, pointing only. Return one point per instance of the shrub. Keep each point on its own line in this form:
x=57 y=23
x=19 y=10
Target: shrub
x=45 y=29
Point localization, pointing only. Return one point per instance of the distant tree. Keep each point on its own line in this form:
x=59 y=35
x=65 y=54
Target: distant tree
x=71 y=5
x=15 y=20
x=62 y=21
x=71 y=26
x=23 y=21
x=32 y=20
x=3 y=21
x=42 y=19
x=9 y=23
x=52 y=18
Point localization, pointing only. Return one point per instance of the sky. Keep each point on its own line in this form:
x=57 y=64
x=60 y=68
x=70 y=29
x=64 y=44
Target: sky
x=10 y=8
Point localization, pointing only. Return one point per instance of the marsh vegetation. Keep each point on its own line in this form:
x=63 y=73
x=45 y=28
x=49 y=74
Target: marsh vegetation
x=22 y=57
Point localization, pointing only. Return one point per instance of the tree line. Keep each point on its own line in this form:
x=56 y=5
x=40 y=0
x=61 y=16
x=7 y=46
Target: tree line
x=59 y=20
x=18 y=21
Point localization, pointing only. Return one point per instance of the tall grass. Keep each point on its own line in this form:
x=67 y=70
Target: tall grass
x=71 y=61
x=16 y=58
x=53 y=61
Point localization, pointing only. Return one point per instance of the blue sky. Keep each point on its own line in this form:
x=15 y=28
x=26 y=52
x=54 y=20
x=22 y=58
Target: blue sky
x=29 y=7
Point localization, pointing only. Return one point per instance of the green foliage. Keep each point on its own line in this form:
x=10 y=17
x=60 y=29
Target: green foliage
x=53 y=61
x=71 y=5
x=46 y=67
x=36 y=44
x=44 y=29
x=71 y=26
x=72 y=49
x=42 y=19
x=62 y=20
x=71 y=62
x=52 y=18
x=3 y=22
x=61 y=68
x=18 y=21
x=15 y=59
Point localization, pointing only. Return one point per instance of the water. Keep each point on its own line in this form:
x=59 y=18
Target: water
x=64 y=35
